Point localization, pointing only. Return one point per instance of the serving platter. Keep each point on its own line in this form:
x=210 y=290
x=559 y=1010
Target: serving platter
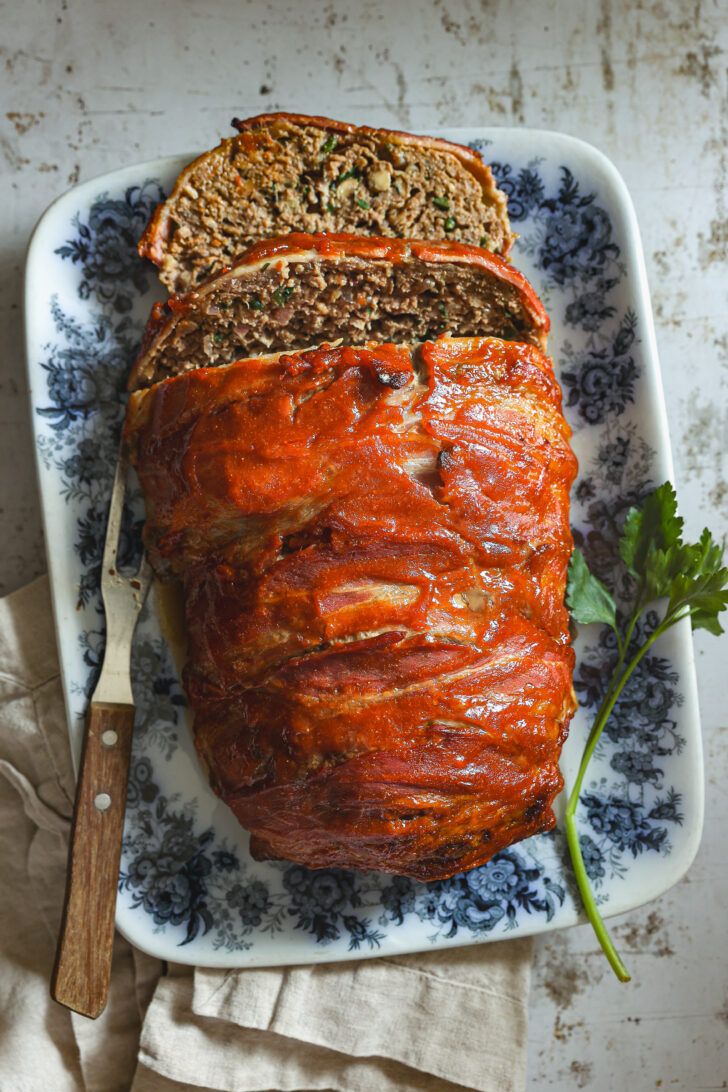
x=188 y=889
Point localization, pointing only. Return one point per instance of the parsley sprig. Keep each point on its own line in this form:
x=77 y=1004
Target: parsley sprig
x=692 y=579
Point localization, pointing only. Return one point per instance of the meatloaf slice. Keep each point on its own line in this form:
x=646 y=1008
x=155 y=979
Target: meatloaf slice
x=289 y=172
x=300 y=290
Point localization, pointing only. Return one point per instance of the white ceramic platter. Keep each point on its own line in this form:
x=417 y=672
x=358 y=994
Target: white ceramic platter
x=188 y=889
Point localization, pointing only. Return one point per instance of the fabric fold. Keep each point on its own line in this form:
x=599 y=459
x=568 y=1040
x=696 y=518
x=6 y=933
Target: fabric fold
x=187 y=1048
x=440 y=999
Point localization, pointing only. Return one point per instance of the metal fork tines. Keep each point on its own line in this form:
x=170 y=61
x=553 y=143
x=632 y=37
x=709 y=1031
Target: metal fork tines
x=123 y=598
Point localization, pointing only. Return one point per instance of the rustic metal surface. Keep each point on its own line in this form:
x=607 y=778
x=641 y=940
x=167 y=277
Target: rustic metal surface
x=88 y=85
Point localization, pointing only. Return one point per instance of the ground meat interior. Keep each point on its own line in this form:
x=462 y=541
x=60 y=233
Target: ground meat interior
x=306 y=303
x=303 y=178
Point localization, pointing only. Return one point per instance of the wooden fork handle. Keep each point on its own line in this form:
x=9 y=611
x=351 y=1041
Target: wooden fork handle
x=82 y=968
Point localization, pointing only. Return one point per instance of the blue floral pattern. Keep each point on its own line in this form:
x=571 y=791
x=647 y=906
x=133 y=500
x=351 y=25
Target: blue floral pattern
x=571 y=239
x=177 y=868
x=634 y=811
x=105 y=247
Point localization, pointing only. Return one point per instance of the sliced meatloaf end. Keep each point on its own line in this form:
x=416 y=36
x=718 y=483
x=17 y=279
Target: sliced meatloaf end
x=299 y=290
x=288 y=172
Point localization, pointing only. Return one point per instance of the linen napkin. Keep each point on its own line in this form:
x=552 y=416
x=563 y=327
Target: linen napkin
x=444 y=1020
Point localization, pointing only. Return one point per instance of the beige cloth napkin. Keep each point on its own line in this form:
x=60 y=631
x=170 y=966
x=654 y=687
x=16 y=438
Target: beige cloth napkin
x=444 y=1020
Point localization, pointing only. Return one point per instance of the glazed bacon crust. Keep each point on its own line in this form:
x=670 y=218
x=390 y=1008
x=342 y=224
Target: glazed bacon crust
x=373 y=544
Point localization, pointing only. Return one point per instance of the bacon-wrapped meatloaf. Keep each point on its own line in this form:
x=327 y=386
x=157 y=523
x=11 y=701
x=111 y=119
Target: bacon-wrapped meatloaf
x=373 y=544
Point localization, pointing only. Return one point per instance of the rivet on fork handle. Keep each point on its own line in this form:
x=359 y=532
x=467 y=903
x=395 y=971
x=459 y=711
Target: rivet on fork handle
x=83 y=958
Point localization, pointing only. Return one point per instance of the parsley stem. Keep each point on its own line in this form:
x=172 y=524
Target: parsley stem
x=691 y=579
x=623 y=646
x=572 y=836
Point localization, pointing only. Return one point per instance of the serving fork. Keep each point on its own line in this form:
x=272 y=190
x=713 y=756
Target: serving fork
x=82 y=967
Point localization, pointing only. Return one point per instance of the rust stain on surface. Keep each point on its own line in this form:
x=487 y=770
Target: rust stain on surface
x=698 y=65
x=705 y=442
x=492 y=96
x=713 y=247
x=581 y=1072
x=607 y=71
x=516 y=90
x=564 y=1030
x=23 y=122
x=649 y=935
x=563 y=976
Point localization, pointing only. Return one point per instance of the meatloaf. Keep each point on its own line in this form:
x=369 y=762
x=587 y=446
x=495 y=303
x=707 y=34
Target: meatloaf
x=299 y=290
x=288 y=172
x=373 y=545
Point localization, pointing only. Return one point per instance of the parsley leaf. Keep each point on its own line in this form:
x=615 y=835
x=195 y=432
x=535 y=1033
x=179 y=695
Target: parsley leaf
x=654 y=526
x=586 y=596
x=281 y=294
x=700 y=588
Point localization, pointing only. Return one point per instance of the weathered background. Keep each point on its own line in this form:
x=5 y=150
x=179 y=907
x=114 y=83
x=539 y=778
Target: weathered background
x=89 y=85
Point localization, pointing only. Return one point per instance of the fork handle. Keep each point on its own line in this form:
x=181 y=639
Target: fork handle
x=82 y=968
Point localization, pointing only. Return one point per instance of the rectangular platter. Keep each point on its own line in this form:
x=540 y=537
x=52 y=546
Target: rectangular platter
x=188 y=889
